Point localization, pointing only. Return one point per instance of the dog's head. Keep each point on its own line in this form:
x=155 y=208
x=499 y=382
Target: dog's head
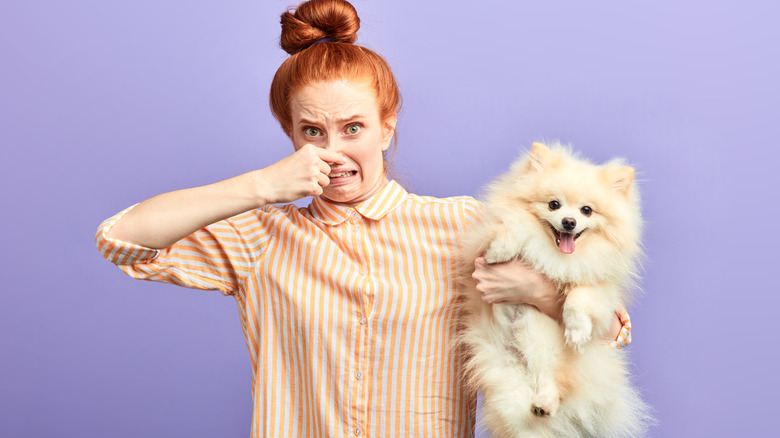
x=579 y=200
x=587 y=215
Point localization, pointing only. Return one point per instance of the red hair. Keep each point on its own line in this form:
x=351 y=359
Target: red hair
x=335 y=58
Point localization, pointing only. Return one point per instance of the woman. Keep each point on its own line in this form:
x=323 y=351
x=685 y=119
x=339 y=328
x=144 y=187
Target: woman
x=346 y=305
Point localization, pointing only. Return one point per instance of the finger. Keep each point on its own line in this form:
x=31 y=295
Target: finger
x=324 y=168
x=323 y=180
x=308 y=148
x=329 y=156
x=614 y=329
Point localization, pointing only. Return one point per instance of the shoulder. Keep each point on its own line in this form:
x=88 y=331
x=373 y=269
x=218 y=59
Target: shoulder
x=464 y=202
x=463 y=209
x=267 y=216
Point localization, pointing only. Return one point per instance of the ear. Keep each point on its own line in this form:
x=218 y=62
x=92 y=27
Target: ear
x=388 y=131
x=620 y=178
x=539 y=156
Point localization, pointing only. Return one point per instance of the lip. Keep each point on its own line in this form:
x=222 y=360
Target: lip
x=341 y=175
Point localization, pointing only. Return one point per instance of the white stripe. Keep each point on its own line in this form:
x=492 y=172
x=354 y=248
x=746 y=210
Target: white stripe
x=320 y=354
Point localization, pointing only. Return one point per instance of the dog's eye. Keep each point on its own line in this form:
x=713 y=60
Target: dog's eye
x=587 y=211
x=554 y=205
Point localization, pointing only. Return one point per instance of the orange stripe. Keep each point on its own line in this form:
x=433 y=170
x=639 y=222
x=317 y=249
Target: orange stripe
x=300 y=292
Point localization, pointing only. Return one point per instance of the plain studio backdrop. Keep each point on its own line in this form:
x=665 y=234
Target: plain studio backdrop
x=106 y=103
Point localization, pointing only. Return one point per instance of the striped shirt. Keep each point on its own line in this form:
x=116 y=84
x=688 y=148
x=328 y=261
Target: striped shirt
x=347 y=312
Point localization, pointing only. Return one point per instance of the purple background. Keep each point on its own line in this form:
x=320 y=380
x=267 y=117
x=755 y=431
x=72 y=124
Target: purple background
x=103 y=104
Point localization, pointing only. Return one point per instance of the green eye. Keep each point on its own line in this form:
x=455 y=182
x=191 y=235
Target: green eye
x=353 y=129
x=311 y=132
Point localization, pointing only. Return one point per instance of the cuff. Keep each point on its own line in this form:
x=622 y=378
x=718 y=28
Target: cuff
x=120 y=252
x=624 y=338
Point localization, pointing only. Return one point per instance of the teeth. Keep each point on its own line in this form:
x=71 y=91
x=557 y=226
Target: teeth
x=339 y=175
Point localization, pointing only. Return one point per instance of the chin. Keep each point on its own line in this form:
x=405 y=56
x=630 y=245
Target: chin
x=579 y=224
x=352 y=192
x=342 y=196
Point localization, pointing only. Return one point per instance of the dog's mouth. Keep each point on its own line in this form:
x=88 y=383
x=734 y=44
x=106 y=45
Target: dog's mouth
x=565 y=241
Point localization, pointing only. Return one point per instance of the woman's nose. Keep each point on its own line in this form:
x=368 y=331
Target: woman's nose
x=332 y=143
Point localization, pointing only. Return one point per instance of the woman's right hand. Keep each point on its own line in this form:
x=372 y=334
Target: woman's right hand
x=303 y=173
x=161 y=221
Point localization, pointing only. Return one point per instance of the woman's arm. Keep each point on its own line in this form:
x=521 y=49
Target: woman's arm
x=516 y=282
x=162 y=220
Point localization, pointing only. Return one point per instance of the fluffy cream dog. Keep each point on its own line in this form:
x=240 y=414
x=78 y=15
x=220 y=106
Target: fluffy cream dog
x=580 y=225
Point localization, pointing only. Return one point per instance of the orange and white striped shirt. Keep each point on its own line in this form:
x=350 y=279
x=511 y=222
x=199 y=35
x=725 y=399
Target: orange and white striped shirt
x=347 y=312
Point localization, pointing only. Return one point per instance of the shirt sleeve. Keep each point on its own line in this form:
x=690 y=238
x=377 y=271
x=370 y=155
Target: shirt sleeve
x=217 y=257
x=472 y=212
x=624 y=337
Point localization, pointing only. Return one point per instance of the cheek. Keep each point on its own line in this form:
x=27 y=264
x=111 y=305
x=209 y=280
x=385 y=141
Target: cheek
x=296 y=141
x=541 y=211
x=369 y=155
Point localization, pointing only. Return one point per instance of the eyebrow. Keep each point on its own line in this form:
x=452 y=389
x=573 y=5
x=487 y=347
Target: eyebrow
x=340 y=120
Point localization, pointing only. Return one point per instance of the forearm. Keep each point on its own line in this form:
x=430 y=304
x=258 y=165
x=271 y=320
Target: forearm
x=549 y=304
x=162 y=220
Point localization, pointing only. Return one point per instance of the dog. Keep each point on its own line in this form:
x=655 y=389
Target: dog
x=580 y=225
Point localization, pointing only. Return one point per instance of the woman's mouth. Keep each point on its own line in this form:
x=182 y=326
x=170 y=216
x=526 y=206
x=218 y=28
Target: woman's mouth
x=341 y=174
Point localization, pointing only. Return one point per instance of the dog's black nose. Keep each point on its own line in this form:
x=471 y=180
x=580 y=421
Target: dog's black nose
x=569 y=223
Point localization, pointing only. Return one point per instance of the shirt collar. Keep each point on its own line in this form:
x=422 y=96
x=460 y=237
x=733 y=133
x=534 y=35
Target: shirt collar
x=376 y=207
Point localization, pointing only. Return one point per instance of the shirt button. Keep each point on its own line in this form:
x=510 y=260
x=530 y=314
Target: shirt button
x=362 y=320
x=358 y=431
x=359 y=375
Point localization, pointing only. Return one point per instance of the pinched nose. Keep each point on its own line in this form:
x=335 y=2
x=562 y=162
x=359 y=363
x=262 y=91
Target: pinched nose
x=569 y=223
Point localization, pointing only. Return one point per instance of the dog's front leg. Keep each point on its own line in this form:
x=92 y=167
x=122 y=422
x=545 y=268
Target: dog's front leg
x=578 y=311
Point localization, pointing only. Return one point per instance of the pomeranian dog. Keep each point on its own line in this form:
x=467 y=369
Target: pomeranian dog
x=579 y=224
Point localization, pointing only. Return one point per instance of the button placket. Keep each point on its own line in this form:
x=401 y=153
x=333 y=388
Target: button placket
x=362 y=253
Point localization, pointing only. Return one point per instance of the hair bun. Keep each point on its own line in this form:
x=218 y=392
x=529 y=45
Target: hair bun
x=317 y=19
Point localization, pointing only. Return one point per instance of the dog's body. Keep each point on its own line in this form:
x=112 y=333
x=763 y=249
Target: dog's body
x=540 y=379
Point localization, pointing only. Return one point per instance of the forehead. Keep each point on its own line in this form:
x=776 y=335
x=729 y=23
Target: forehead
x=575 y=182
x=334 y=100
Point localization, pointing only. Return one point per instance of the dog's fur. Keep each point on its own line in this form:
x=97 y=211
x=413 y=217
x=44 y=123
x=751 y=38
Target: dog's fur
x=540 y=378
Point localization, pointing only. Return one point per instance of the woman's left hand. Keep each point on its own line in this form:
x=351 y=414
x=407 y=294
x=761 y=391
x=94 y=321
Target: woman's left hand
x=515 y=282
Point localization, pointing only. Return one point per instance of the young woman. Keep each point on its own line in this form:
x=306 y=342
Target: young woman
x=347 y=304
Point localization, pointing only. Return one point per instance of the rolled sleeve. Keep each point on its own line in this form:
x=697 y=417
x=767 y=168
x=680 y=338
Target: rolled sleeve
x=624 y=337
x=217 y=257
x=120 y=252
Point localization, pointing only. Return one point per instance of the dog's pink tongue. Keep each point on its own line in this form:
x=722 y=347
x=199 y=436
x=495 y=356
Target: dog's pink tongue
x=567 y=243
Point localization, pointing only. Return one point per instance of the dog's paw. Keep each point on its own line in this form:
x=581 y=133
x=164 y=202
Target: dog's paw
x=579 y=330
x=546 y=404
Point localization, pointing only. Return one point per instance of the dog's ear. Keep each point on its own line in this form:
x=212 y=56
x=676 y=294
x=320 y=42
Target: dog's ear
x=539 y=156
x=619 y=178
